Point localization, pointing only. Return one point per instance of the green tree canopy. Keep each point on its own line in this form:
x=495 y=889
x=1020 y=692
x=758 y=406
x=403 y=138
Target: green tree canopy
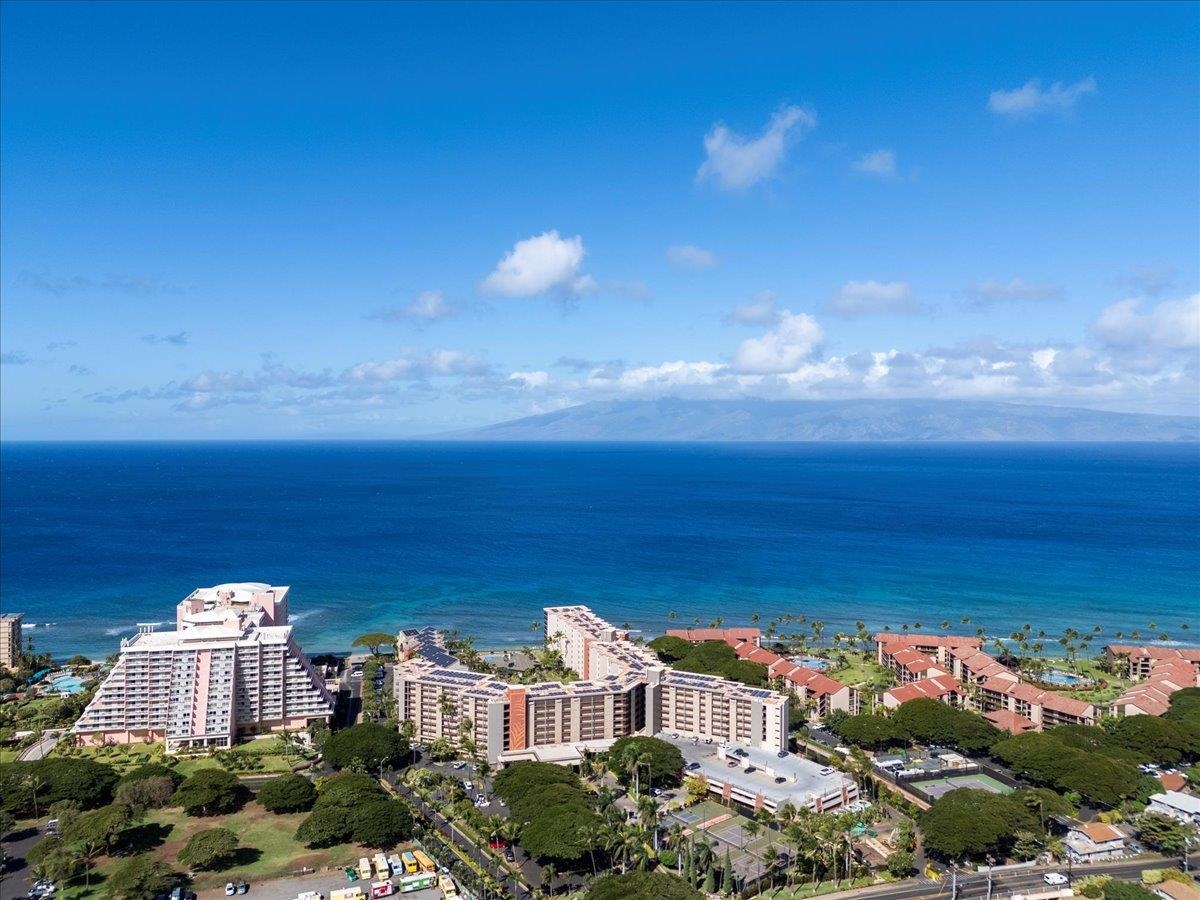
x=146 y=793
x=664 y=761
x=1045 y=760
x=900 y=863
x=670 y=649
x=210 y=849
x=152 y=770
x=930 y=721
x=103 y=826
x=1165 y=833
x=287 y=794
x=85 y=781
x=369 y=744
x=867 y=730
x=139 y=878
x=209 y=792
x=324 y=827
x=642 y=886
x=373 y=641
x=559 y=819
x=382 y=824
x=971 y=823
x=340 y=800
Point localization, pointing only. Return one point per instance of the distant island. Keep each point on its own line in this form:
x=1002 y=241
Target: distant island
x=674 y=419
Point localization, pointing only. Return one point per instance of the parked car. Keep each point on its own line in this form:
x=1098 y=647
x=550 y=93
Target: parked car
x=243 y=886
x=691 y=767
x=827 y=770
x=509 y=856
x=230 y=889
x=1054 y=878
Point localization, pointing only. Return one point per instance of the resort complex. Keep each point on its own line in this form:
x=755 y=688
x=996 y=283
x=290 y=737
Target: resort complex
x=230 y=668
x=625 y=689
x=956 y=671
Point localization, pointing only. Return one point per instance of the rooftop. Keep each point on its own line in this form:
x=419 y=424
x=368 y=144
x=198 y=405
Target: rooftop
x=804 y=780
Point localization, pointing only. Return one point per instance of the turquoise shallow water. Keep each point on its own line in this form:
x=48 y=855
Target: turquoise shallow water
x=97 y=537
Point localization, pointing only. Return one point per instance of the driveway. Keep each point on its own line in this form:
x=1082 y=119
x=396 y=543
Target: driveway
x=19 y=879
x=42 y=748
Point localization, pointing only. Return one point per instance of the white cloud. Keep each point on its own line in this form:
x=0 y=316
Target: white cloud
x=665 y=376
x=735 y=162
x=540 y=264
x=1148 y=280
x=689 y=256
x=761 y=310
x=530 y=380
x=993 y=291
x=416 y=366
x=1031 y=99
x=1170 y=325
x=878 y=162
x=870 y=298
x=781 y=349
x=426 y=307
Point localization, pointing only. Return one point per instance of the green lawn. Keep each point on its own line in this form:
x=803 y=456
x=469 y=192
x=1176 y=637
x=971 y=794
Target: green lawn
x=267 y=753
x=272 y=836
x=861 y=668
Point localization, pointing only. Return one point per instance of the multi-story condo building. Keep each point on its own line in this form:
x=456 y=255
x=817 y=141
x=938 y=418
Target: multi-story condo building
x=10 y=640
x=1159 y=673
x=231 y=667
x=624 y=690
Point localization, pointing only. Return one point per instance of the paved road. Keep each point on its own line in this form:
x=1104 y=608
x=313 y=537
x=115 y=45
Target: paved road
x=974 y=886
x=42 y=748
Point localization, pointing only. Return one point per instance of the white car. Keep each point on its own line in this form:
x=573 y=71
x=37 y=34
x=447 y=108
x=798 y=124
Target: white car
x=827 y=770
x=1054 y=878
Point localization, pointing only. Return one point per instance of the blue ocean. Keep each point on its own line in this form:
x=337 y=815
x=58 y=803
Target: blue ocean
x=95 y=538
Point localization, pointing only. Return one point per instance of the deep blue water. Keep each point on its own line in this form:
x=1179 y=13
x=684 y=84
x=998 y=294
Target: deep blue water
x=97 y=537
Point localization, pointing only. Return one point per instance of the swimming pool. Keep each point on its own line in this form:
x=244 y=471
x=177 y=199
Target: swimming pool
x=1067 y=678
x=812 y=662
x=65 y=684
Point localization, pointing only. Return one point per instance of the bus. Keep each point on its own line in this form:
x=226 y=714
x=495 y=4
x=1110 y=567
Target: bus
x=449 y=888
x=410 y=862
x=364 y=869
x=418 y=882
x=424 y=861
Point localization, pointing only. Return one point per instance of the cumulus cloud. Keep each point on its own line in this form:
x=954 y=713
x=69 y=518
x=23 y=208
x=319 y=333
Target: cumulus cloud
x=79 y=370
x=413 y=366
x=15 y=358
x=993 y=291
x=735 y=162
x=1170 y=325
x=761 y=310
x=793 y=339
x=539 y=265
x=1032 y=99
x=689 y=256
x=873 y=298
x=178 y=339
x=878 y=162
x=427 y=307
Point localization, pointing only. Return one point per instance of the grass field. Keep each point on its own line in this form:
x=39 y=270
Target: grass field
x=270 y=849
x=268 y=752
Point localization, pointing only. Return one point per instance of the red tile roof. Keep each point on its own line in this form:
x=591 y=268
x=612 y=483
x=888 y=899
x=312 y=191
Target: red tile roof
x=1009 y=721
x=1173 y=781
x=728 y=635
x=891 y=639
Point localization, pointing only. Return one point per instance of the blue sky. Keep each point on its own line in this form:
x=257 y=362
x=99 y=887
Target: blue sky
x=367 y=220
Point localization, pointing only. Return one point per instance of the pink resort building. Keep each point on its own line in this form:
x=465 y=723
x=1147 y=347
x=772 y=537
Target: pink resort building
x=230 y=668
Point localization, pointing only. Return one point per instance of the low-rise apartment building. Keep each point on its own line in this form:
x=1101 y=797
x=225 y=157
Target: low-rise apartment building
x=1158 y=672
x=227 y=670
x=1177 y=805
x=1093 y=842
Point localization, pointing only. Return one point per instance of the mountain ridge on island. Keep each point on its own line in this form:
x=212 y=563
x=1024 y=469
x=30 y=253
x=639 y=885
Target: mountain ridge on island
x=861 y=420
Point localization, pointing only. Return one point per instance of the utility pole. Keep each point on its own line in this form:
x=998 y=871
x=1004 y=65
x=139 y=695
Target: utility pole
x=990 y=861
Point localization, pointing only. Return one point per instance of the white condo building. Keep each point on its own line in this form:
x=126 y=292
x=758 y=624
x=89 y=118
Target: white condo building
x=230 y=667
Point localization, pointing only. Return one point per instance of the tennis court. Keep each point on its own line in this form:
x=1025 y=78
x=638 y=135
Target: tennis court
x=939 y=786
x=724 y=829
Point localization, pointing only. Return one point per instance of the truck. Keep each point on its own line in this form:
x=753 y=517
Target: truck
x=447 y=885
x=382 y=889
x=350 y=893
x=364 y=869
x=310 y=895
x=382 y=868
